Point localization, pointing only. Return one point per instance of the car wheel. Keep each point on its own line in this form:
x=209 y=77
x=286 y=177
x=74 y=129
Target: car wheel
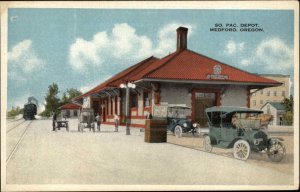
x=178 y=131
x=241 y=150
x=207 y=144
x=197 y=131
x=276 y=151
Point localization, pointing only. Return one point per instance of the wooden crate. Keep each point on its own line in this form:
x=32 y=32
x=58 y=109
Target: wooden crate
x=156 y=131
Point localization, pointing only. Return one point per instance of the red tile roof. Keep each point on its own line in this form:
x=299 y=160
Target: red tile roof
x=181 y=65
x=189 y=65
x=116 y=80
x=70 y=106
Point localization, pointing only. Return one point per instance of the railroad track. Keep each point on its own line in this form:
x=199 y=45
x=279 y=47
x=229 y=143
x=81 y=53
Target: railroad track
x=14 y=120
x=15 y=126
x=18 y=143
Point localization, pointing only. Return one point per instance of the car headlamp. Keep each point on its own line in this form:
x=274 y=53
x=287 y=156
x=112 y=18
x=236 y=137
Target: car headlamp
x=184 y=125
x=257 y=141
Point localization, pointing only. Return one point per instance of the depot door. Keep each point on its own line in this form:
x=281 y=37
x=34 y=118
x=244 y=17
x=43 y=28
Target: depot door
x=203 y=101
x=96 y=107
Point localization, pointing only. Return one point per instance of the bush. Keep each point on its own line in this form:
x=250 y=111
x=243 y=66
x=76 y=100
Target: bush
x=288 y=118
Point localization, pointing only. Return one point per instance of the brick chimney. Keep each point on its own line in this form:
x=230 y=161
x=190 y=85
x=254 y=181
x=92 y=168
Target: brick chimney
x=181 y=38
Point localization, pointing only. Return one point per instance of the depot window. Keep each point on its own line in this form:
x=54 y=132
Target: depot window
x=146 y=99
x=133 y=100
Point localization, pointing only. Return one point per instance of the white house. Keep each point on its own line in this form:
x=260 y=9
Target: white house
x=276 y=109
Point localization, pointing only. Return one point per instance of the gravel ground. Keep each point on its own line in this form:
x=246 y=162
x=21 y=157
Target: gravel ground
x=112 y=158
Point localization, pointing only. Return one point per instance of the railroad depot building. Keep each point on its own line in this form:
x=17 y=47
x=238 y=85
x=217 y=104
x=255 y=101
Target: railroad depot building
x=70 y=110
x=182 y=78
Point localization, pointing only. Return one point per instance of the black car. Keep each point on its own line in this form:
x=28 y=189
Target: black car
x=178 y=122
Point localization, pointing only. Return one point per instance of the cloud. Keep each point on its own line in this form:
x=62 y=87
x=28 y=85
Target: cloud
x=167 y=38
x=122 y=44
x=275 y=54
x=271 y=55
x=22 y=60
x=233 y=47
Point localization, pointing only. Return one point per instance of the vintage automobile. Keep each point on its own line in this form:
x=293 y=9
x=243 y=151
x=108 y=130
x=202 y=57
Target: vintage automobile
x=240 y=128
x=178 y=122
x=86 y=119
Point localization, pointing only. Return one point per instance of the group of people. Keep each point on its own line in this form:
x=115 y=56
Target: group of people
x=98 y=121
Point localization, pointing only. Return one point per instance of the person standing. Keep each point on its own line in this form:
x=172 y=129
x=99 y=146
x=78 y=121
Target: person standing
x=53 y=120
x=98 y=120
x=116 y=118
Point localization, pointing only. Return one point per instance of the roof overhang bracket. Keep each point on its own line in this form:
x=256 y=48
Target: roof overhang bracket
x=116 y=91
x=106 y=92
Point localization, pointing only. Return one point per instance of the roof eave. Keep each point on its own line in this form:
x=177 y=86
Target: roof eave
x=257 y=84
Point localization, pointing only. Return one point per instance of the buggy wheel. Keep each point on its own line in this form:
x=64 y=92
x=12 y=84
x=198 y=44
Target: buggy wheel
x=276 y=151
x=241 y=150
x=78 y=127
x=178 y=131
x=207 y=144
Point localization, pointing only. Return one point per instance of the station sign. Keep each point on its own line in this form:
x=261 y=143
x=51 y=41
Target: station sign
x=217 y=70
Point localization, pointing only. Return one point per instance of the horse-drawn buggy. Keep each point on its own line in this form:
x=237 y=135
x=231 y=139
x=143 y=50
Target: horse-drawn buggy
x=86 y=119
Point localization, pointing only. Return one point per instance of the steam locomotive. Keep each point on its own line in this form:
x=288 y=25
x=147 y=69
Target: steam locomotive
x=30 y=109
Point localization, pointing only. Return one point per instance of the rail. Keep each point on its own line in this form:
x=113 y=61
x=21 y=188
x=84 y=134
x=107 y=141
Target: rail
x=18 y=143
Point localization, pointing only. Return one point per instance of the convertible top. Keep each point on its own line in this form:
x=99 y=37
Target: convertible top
x=231 y=109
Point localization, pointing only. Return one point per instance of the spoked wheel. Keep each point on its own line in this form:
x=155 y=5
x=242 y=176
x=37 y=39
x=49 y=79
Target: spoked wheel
x=196 y=132
x=276 y=151
x=207 y=144
x=178 y=131
x=241 y=150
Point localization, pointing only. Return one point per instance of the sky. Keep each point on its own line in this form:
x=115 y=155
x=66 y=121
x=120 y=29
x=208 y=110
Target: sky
x=80 y=48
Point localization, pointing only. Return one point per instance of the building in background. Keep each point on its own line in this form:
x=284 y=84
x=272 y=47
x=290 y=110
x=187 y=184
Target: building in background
x=276 y=109
x=70 y=110
x=259 y=97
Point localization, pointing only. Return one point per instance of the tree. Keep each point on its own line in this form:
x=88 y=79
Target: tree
x=289 y=110
x=52 y=100
x=69 y=95
x=289 y=104
x=14 y=112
